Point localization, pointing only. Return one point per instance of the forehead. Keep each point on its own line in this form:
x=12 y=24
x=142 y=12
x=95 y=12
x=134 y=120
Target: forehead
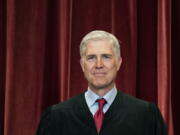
x=99 y=47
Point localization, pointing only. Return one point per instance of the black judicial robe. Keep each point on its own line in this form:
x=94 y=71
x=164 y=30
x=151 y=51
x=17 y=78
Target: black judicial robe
x=126 y=116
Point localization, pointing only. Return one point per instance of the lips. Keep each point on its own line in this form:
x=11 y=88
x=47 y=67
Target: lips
x=99 y=74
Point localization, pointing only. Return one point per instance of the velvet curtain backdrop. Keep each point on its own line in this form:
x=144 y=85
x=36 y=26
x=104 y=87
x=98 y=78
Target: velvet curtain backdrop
x=39 y=54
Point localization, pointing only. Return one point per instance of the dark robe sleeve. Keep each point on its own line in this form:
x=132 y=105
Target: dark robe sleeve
x=52 y=122
x=157 y=125
x=45 y=123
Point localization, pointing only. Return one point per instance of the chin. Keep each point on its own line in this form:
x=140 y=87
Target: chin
x=100 y=86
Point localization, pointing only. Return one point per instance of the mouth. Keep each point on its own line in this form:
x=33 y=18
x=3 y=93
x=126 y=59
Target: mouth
x=99 y=74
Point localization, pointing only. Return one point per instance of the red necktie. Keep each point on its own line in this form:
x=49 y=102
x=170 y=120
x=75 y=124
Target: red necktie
x=99 y=115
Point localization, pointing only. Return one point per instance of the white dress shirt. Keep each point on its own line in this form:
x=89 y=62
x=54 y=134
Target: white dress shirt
x=91 y=98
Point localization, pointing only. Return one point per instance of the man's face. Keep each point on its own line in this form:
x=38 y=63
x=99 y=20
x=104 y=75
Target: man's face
x=100 y=64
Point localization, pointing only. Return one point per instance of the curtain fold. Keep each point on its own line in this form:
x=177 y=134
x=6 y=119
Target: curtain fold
x=25 y=52
x=39 y=64
x=2 y=61
x=164 y=62
x=65 y=14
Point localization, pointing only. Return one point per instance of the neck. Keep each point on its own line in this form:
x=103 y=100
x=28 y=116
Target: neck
x=101 y=91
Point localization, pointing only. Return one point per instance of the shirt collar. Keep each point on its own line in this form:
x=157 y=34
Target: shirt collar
x=92 y=97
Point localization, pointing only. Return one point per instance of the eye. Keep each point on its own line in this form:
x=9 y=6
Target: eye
x=90 y=57
x=106 y=56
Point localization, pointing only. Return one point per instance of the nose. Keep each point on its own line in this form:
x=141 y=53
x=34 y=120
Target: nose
x=99 y=63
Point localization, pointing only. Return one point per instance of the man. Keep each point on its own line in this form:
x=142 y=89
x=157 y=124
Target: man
x=102 y=109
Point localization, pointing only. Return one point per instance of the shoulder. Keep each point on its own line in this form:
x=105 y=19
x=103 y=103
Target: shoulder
x=56 y=114
x=60 y=109
x=136 y=104
x=131 y=100
x=142 y=111
x=68 y=104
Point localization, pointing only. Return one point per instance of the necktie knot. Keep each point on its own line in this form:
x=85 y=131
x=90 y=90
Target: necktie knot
x=101 y=103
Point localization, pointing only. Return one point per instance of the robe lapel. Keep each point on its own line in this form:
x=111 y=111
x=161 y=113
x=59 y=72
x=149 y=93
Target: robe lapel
x=83 y=113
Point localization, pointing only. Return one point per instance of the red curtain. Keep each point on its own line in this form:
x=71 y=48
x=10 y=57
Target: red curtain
x=164 y=61
x=175 y=42
x=39 y=54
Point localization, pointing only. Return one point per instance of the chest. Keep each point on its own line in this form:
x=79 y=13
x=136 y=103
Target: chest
x=124 y=124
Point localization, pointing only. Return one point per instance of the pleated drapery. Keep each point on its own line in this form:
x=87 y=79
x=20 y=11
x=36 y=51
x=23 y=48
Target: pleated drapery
x=39 y=54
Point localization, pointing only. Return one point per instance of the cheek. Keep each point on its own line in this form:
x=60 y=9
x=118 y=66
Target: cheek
x=88 y=68
x=89 y=65
x=112 y=69
x=111 y=66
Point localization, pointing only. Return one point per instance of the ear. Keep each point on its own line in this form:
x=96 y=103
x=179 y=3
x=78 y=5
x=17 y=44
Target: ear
x=82 y=64
x=119 y=62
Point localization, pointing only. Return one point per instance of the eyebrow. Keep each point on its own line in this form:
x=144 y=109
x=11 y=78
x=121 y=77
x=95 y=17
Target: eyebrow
x=90 y=55
x=105 y=54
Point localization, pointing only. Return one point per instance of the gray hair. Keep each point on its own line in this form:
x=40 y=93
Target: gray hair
x=100 y=35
